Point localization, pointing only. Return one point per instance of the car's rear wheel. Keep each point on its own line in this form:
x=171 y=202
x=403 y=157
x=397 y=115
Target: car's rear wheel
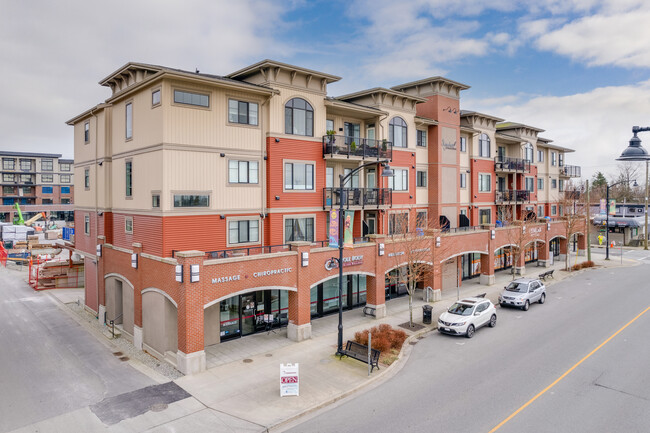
x=526 y=305
x=470 y=331
x=542 y=298
x=493 y=321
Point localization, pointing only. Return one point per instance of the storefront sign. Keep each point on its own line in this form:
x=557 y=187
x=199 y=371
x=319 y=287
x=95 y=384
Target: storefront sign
x=289 y=380
x=421 y=250
x=226 y=279
x=272 y=272
x=535 y=230
x=451 y=145
x=347 y=261
x=401 y=253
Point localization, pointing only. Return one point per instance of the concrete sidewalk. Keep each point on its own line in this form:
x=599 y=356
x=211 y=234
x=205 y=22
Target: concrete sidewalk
x=241 y=392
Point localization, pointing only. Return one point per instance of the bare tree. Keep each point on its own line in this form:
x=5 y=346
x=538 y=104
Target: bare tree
x=573 y=211
x=418 y=245
x=518 y=234
x=626 y=174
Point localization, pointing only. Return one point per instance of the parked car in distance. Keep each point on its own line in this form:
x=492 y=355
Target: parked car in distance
x=466 y=316
x=522 y=292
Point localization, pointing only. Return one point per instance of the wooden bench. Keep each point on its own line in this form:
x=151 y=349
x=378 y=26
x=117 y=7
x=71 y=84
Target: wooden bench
x=360 y=353
x=369 y=311
x=547 y=274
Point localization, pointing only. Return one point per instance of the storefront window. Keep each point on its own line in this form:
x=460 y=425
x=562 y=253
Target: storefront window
x=229 y=317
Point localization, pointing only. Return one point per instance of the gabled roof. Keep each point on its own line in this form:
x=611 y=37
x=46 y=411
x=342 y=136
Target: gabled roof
x=267 y=63
x=133 y=74
x=513 y=125
x=380 y=90
x=467 y=113
x=431 y=80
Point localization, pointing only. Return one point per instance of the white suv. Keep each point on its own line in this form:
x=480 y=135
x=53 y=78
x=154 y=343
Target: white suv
x=466 y=316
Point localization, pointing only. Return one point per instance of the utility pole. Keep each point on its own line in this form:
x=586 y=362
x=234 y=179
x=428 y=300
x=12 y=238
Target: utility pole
x=588 y=222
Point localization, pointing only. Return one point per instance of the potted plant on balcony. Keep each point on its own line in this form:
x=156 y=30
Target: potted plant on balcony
x=353 y=146
x=384 y=145
x=330 y=136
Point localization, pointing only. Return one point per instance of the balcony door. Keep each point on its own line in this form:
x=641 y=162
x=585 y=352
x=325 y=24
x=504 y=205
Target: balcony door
x=371 y=178
x=352 y=133
x=501 y=186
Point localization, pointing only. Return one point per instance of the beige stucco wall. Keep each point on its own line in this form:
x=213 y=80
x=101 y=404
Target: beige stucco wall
x=159 y=323
x=211 y=325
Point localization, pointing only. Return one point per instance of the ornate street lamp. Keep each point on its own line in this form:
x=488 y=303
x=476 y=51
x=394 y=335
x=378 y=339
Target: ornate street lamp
x=386 y=172
x=636 y=152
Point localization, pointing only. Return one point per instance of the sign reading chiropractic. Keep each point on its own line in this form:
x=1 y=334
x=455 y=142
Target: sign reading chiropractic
x=269 y=272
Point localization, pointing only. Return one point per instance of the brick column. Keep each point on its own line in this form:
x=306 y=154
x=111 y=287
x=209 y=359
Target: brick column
x=101 y=289
x=542 y=255
x=376 y=286
x=487 y=276
x=190 y=358
x=299 y=327
x=563 y=249
x=582 y=244
x=137 y=299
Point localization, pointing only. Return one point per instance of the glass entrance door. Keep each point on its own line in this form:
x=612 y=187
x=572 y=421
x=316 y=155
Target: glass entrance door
x=229 y=318
x=248 y=309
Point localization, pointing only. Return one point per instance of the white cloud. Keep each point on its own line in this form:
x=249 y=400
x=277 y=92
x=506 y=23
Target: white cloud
x=597 y=124
x=619 y=39
x=52 y=54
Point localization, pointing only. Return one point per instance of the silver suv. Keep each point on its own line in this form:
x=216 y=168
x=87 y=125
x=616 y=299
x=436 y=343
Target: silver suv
x=522 y=292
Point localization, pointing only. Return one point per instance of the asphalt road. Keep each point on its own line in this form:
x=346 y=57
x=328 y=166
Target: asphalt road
x=49 y=364
x=454 y=384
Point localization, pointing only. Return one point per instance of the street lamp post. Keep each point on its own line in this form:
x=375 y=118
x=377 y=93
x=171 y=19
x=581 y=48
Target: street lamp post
x=386 y=172
x=636 y=152
x=607 y=228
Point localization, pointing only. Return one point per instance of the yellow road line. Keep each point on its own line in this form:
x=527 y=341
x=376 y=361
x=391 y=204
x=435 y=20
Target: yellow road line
x=566 y=373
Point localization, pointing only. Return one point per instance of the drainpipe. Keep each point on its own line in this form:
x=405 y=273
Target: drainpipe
x=262 y=172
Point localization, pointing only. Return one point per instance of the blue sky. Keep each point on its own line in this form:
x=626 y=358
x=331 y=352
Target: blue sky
x=577 y=68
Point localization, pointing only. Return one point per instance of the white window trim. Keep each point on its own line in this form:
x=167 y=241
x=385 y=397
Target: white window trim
x=86 y=124
x=489 y=183
x=247 y=184
x=396 y=212
x=87 y=223
x=127 y=103
x=426 y=177
x=126 y=229
x=408 y=180
x=461 y=183
x=297 y=161
x=243 y=218
x=297 y=216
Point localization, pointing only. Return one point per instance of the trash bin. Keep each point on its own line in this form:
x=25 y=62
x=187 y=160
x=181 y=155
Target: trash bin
x=426 y=314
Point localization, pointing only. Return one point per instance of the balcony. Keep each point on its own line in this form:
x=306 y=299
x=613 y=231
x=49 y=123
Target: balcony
x=362 y=197
x=337 y=146
x=511 y=165
x=570 y=171
x=512 y=196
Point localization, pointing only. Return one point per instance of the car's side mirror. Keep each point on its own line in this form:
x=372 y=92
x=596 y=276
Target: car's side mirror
x=477 y=313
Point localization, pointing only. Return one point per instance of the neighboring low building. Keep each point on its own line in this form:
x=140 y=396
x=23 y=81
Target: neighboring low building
x=234 y=177
x=38 y=182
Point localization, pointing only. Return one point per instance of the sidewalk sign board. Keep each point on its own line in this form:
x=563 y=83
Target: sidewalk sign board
x=289 y=380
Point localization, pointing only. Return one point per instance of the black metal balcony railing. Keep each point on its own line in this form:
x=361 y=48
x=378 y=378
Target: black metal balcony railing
x=570 y=171
x=516 y=195
x=366 y=148
x=358 y=197
x=507 y=163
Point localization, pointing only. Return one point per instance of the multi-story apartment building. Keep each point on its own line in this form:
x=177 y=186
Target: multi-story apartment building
x=38 y=182
x=202 y=201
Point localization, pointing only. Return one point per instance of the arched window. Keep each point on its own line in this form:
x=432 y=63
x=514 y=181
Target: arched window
x=299 y=117
x=397 y=132
x=484 y=146
x=528 y=152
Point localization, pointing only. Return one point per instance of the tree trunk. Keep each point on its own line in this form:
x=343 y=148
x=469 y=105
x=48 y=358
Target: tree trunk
x=411 y=307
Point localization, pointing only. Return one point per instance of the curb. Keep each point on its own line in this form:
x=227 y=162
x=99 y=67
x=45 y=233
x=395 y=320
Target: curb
x=388 y=372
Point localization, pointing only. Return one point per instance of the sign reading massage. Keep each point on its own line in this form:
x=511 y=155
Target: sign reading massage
x=266 y=273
